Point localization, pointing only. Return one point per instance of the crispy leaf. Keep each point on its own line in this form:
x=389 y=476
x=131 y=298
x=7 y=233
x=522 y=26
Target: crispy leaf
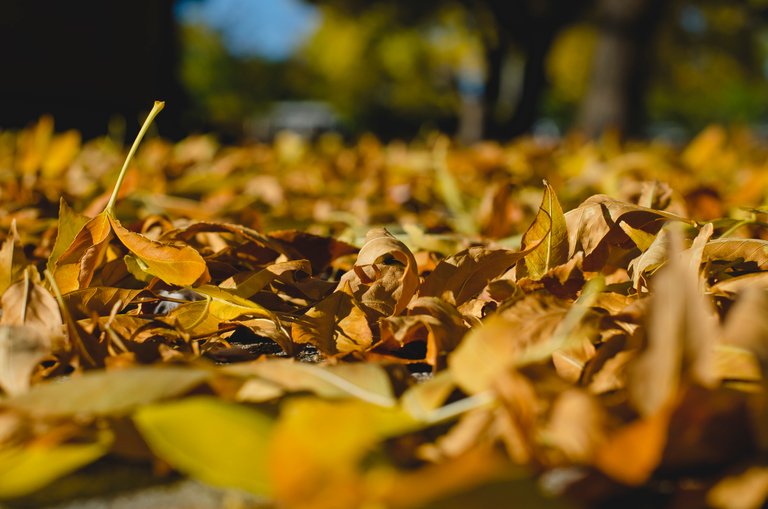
x=86 y=252
x=547 y=237
x=497 y=345
x=99 y=300
x=30 y=304
x=748 y=250
x=385 y=277
x=174 y=264
x=463 y=276
x=336 y=324
x=227 y=445
x=595 y=224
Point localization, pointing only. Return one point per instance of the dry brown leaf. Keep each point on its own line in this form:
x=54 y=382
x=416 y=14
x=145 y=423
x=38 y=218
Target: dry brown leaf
x=320 y=251
x=463 y=276
x=30 y=304
x=489 y=350
x=595 y=224
x=337 y=324
x=747 y=250
x=385 y=277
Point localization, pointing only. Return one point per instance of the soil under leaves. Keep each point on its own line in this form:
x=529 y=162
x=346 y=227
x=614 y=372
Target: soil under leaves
x=542 y=323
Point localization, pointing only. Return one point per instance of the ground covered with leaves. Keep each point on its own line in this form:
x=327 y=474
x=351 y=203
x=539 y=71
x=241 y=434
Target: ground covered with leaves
x=537 y=324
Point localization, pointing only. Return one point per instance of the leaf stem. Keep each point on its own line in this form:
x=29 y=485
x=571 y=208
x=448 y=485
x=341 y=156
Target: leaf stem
x=157 y=108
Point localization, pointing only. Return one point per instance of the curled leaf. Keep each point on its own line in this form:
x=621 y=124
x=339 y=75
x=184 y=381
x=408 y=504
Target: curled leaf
x=173 y=263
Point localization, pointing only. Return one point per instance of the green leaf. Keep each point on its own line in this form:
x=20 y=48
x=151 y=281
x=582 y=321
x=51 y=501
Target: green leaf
x=107 y=392
x=550 y=235
x=219 y=443
x=24 y=470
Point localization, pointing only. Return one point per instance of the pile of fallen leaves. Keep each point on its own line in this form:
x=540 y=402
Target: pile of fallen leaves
x=389 y=326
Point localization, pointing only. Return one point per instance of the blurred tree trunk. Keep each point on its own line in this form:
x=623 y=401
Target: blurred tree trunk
x=621 y=66
x=530 y=26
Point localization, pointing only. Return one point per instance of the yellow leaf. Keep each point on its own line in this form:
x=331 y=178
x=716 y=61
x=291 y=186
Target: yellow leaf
x=86 y=252
x=385 y=276
x=61 y=152
x=219 y=443
x=549 y=234
x=24 y=470
x=68 y=226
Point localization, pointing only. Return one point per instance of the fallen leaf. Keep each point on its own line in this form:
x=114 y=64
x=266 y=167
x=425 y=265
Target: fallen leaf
x=681 y=337
x=227 y=446
x=110 y=393
x=546 y=237
x=27 y=469
x=174 y=264
x=84 y=254
x=98 y=299
x=384 y=278
x=336 y=324
x=496 y=346
x=576 y=426
x=463 y=276
x=317 y=446
x=746 y=250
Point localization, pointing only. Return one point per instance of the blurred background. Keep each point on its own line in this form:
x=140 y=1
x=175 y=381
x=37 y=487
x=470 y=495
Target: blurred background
x=247 y=69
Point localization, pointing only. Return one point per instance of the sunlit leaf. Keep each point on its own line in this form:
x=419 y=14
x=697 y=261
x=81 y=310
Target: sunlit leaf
x=548 y=236
x=174 y=264
x=107 y=392
x=385 y=277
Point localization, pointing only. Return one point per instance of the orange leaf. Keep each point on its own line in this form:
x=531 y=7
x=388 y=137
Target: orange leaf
x=174 y=264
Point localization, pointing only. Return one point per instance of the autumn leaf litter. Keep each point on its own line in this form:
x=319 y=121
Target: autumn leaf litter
x=610 y=348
